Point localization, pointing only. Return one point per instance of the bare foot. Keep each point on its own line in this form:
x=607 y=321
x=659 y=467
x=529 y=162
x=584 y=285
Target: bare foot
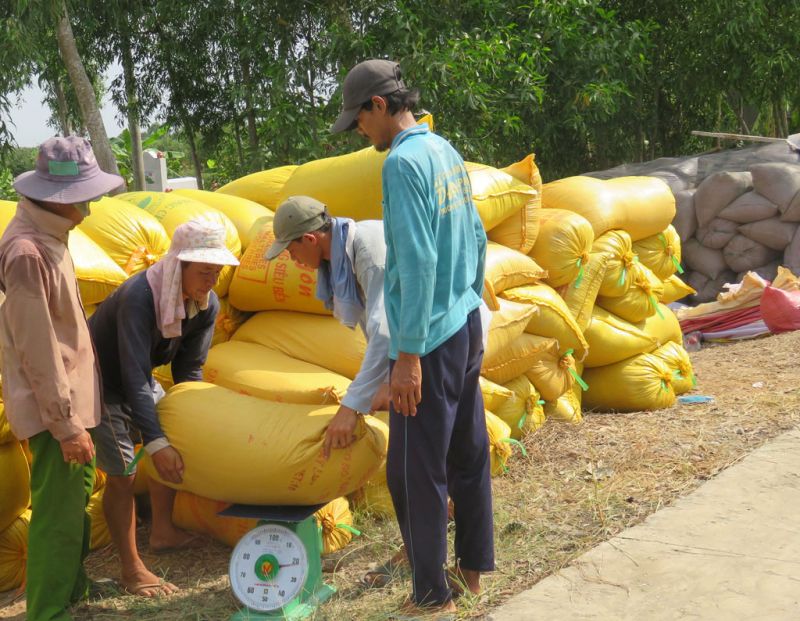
x=464 y=579
x=145 y=583
x=174 y=539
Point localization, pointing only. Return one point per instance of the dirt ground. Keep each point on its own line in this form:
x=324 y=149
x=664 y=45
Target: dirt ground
x=578 y=486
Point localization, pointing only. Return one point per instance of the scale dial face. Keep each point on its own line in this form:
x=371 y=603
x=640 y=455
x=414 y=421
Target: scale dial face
x=268 y=567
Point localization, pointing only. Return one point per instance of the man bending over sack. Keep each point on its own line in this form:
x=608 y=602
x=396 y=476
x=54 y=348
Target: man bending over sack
x=51 y=383
x=165 y=314
x=349 y=258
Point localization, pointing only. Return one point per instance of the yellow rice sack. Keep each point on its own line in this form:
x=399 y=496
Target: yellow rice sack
x=612 y=339
x=640 y=301
x=132 y=237
x=499 y=445
x=100 y=536
x=317 y=339
x=642 y=206
x=241 y=211
x=7 y=211
x=581 y=300
x=552 y=318
x=374 y=497
x=562 y=246
x=663 y=326
x=97 y=274
x=507 y=324
x=675 y=289
x=523 y=412
x=494 y=395
x=498 y=196
x=255 y=370
x=280 y=284
x=14 y=552
x=262 y=187
x=515 y=359
x=643 y=382
x=567 y=408
x=619 y=248
x=172 y=210
x=661 y=252
x=229 y=320
x=228 y=441
x=200 y=515
x=553 y=372
x=526 y=171
x=678 y=359
x=520 y=230
x=163 y=374
x=6 y=435
x=15 y=483
x=506 y=268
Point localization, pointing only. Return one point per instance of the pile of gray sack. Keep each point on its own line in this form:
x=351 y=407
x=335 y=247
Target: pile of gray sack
x=737 y=211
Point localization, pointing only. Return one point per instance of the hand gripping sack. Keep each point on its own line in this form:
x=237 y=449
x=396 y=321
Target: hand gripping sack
x=241 y=449
x=661 y=253
x=262 y=187
x=562 y=246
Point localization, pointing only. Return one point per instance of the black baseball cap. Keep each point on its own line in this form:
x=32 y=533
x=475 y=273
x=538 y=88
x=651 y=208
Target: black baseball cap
x=364 y=81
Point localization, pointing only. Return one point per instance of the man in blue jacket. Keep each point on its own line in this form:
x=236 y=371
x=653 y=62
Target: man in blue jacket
x=435 y=256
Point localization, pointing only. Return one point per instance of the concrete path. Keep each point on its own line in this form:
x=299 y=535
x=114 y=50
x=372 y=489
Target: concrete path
x=728 y=551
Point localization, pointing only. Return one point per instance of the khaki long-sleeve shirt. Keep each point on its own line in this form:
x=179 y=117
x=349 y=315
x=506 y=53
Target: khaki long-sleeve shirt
x=50 y=375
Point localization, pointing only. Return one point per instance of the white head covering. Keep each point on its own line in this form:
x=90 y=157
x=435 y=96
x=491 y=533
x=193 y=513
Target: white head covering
x=196 y=241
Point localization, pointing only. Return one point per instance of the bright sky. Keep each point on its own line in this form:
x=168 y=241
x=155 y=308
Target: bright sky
x=30 y=127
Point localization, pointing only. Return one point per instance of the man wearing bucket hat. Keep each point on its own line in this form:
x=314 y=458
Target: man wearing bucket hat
x=164 y=315
x=435 y=251
x=349 y=258
x=51 y=382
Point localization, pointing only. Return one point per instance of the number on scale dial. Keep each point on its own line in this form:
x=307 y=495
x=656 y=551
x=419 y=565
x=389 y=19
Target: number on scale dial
x=268 y=567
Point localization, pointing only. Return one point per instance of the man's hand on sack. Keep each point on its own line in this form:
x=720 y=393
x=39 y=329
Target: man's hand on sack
x=78 y=450
x=169 y=464
x=341 y=430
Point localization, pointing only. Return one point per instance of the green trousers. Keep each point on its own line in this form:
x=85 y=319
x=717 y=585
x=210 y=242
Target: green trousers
x=58 y=539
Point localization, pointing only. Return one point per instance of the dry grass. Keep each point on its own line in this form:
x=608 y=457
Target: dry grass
x=578 y=486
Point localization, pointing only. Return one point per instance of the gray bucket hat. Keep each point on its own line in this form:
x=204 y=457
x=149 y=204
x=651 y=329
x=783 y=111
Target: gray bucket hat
x=364 y=81
x=66 y=172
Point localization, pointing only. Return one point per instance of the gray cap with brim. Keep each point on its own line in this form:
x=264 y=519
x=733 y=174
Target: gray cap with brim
x=364 y=81
x=295 y=217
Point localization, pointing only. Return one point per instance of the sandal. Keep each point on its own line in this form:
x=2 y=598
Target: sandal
x=161 y=588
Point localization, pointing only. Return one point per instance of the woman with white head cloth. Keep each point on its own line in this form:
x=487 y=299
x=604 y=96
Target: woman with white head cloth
x=164 y=315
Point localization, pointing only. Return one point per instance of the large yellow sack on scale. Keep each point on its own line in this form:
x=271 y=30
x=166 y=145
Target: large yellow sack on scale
x=100 y=536
x=640 y=301
x=246 y=450
x=349 y=185
x=642 y=206
x=506 y=268
x=553 y=372
x=200 y=515
x=256 y=370
x=132 y=237
x=552 y=319
x=519 y=231
x=523 y=412
x=498 y=196
x=643 y=382
x=499 y=446
x=678 y=359
x=172 y=210
x=675 y=289
x=562 y=246
x=507 y=324
x=280 y=284
x=374 y=497
x=580 y=300
x=262 y=187
x=515 y=359
x=229 y=320
x=317 y=339
x=612 y=339
x=661 y=252
x=241 y=211
x=14 y=552
x=619 y=248
x=15 y=483
x=567 y=408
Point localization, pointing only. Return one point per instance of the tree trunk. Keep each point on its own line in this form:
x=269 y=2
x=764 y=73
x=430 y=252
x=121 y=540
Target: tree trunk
x=189 y=131
x=237 y=134
x=87 y=101
x=250 y=115
x=132 y=110
x=62 y=109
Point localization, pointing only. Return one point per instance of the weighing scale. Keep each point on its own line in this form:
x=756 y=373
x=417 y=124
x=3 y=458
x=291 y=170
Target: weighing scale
x=276 y=568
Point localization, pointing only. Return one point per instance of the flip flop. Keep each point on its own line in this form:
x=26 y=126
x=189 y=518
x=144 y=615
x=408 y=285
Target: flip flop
x=194 y=542
x=136 y=589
